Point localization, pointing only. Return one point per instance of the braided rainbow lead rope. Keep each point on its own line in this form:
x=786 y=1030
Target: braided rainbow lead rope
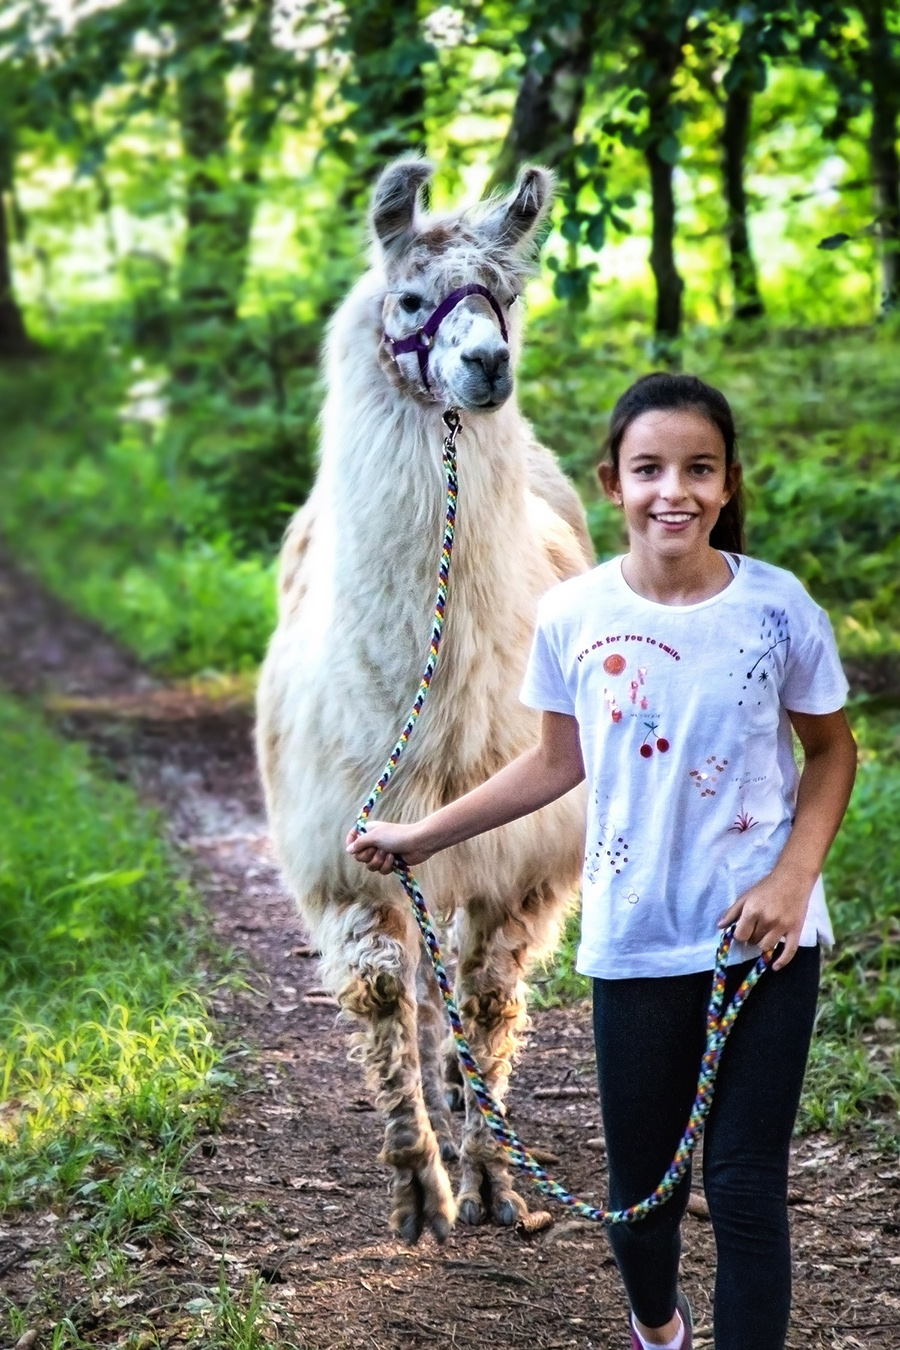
x=718 y=1022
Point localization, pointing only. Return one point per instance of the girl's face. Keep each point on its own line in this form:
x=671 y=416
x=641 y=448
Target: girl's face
x=672 y=480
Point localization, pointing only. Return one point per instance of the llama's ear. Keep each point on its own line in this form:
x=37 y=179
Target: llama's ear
x=515 y=219
x=395 y=199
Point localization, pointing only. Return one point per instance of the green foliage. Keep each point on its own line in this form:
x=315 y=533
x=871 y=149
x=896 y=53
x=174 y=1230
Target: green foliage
x=115 y=516
x=817 y=423
x=855 y=1059
x=108 y=1057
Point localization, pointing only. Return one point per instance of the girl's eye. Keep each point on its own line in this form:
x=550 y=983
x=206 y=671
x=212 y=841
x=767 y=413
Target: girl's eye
x=411 y=302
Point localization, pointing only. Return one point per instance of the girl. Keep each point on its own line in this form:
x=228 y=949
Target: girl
x=672 y=677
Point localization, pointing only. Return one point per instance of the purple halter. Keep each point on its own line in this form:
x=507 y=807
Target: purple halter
x=422 y=340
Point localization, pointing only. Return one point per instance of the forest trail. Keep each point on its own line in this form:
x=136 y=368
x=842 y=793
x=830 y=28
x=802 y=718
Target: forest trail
x=290 y=1189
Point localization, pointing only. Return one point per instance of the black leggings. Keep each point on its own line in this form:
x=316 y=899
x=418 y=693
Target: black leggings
x=649 y=1035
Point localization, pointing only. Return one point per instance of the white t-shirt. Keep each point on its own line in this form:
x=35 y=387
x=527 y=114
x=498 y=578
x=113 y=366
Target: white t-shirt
x=687 y=749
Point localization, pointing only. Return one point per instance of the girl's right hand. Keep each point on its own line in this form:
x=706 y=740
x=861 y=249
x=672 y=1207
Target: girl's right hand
x=382 y=842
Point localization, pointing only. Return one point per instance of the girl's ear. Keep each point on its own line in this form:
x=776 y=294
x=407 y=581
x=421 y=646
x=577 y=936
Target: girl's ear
x=609 y=481
x=734 y=476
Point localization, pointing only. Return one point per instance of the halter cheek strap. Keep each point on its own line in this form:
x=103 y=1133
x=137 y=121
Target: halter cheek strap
x=422 y=340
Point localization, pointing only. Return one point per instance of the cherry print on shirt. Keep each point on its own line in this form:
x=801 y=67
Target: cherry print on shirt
x=662 y=745
x=705 y=779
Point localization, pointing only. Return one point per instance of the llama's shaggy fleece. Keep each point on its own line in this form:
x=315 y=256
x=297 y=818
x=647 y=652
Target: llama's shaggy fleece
x=357 y=585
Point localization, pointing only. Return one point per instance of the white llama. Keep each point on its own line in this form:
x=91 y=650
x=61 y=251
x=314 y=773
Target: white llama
x=357 y=586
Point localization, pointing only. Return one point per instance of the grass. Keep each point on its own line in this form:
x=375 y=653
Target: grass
x=108 y=1061
x=854 y=1066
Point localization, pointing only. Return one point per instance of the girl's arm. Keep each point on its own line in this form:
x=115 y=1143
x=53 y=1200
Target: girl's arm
x=775 y=908
x=539 y=776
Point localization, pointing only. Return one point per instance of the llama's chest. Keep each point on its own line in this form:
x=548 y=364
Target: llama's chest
x=345 y=665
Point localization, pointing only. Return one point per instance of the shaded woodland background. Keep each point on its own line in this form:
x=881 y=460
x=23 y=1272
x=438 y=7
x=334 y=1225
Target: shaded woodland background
x=183 y=187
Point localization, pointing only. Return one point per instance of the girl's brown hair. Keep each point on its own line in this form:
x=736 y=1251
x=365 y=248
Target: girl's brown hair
x=661 y=391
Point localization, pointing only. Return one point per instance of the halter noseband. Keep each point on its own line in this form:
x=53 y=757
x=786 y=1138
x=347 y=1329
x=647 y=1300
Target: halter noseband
x=422 y=340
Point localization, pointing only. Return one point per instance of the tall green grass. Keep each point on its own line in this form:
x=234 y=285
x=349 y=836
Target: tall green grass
x=107 y=1056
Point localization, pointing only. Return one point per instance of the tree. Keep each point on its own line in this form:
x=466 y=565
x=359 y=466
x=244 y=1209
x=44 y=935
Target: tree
x=18 y=77
x=882 y=68
x=660 y=30
x=559 y=50
x=385 y=88
x=14 y=339
x=865 y=69
x=744 y=77
x=224 y=144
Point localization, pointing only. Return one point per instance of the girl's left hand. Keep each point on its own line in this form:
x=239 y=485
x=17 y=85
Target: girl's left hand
x=772 y=911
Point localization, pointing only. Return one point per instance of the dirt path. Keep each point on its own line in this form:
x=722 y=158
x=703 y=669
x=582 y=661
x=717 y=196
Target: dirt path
x=290 y=1187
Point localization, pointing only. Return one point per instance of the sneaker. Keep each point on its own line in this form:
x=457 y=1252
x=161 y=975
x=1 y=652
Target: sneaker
x=683 y=1308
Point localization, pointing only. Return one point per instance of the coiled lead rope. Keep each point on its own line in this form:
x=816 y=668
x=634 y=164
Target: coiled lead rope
x=719 y=1020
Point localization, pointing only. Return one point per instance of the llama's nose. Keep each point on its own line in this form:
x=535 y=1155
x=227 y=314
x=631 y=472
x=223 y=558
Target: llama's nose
x=493 y=361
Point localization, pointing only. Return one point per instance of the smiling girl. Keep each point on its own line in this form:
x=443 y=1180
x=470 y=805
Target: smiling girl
x=672 y=678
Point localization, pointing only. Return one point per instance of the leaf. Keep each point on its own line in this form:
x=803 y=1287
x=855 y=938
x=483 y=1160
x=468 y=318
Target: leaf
x=571 y=229
x=833 y=241
x=669 y=149
x=596 y=232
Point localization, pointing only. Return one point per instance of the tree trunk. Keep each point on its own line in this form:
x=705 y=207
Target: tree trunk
x=14 y=340
x=663 y=55
x=669 y=285
x=388 y=115
x=550 y=98
x=735 y=136
x=212 y=264
x=884 y=77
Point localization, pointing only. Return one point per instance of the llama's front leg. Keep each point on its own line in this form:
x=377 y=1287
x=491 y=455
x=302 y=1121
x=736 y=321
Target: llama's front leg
x=433 y=1030
x=491 y=994
x=380 y=987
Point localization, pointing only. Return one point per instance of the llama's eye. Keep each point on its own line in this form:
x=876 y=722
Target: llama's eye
x=411 y=302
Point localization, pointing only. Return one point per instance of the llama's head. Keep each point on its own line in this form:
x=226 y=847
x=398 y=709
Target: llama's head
x=428 y=258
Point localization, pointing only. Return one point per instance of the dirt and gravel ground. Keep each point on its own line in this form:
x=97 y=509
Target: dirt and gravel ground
x=290 y=1188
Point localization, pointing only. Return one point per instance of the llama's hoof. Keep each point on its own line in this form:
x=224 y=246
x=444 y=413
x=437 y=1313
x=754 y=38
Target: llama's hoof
x=507 y=1208
x=408 y=1225
x=449 y=1151
x=422 y=1199
x=471 y=1210
x=455 y=1097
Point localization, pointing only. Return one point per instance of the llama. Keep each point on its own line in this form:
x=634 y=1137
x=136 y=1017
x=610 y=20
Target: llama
x=356 y=591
